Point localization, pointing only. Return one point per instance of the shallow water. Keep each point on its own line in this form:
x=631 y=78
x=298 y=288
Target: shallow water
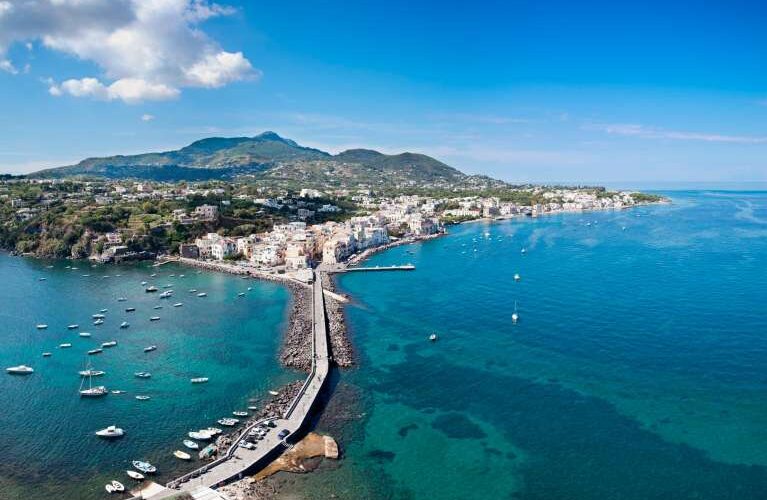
x=46 y=429
x=638 y=368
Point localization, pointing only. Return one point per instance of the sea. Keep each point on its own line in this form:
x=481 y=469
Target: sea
x=637 y=368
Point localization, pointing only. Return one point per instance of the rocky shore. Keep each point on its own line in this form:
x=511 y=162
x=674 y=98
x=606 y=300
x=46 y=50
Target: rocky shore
x=341 y=349
x=296 y=351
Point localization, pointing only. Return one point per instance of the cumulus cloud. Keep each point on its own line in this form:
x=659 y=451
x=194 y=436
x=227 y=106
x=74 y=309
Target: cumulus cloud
x=146 y=49
x=636 y=130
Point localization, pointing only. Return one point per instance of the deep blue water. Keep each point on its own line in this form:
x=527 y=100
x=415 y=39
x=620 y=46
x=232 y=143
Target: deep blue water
x=638 y=368
x=46 y=430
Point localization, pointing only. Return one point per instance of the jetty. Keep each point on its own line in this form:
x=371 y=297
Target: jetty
x=236 y=462
x=404 y=267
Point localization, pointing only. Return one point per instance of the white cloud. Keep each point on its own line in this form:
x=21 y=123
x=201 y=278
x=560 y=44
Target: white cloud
x=146 y=49
x=636 y=130
x=146 y=117
x=8 y=66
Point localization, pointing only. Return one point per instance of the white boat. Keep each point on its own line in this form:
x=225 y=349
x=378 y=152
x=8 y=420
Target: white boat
x=157 y=307
x=517 y=277
x=135 y=475
x=98 y=322
x=111 y=432
x=98 y=316
x=178 y=304
x=94 y=392
x=153 y=275
x=84 y=334
x=144 y=467
x=167 y=285
x=200 y=435
x=154 y=318
x=198 y=380
x=47 y=354
x=20 y=370
x=42 y=326
x=193 y=290
x=130 y=309
x=202 y=294
x=150 y=289
x=166 y=294
x=64 y=346
x=240 y=413
x=213 y=431
x=150 y=348
x=96 y=351
x=182 y=455
x=111 y=343
x=124 y=324
x=142 y=374
x=73 y=327
x=250 y=288
x=274 y=393
x=241 y=294
x=121 y=299
x=103 y=310
x=524 y=251
x=228 y=422
x=252 y=408
x=117 y=391
x=515 y=316
x=42 y=279
x=143 y=398
x=109 y=488
x=118 y=486
x=91 y=373
x=433 y=337
x=191 y=444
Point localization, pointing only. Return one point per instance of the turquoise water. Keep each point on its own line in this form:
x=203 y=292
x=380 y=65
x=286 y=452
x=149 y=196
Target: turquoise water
x=638 y=368
x=46 y=429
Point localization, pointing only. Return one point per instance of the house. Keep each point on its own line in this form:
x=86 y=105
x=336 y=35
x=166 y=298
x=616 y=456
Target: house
x=189 y=251
x=206 y=212
x=295 y=257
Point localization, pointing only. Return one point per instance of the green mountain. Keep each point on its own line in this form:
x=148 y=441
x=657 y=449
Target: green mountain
x=266 y=155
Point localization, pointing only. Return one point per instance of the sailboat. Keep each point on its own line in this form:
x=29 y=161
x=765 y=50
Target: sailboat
x=91 y=392
x=515 y=316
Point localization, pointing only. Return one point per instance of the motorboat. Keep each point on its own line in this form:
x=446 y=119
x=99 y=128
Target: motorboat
x=111 y=432
x=515 y=315
x=117 y=486
x=150 y=289
x=517 y=277
x=252 y=408
x=157 y=307
x=143 y=398
x=166 y=294
x=42 y=326
x=143 y=283
x=142 y=374
x=111 y=343
x=274 y=393
x=433 y=337
x=182 y=455
x=198 y=380
x=178 y=304
x=124 y=324
x=524 y=250
x=98 y=350
x=228 y=422
x=150 y=348
x=109 y=488
x=154 y=318
x=202 y=294
x=144 y=467
x=213 y=431
x=241 y=294
x=91 y=373
x=240 y=413
x=103 y=310
x=130 y=309
x=98 y=316
x=20 y=370
x=98 y=322
x=65 y=345
x=200 y=435
x=135 y=475
x=153 y=275
x=85 y=334
x=121 y=299
x=193 y=290
x=117 y=391
x=42 y=279
x=47 y=354
x=191 y=444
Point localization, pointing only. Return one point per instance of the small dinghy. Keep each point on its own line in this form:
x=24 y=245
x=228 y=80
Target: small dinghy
x=182 y=455
x=85 y=334
x=64 y=346
x=150 y=348
x=124 y=324
x=178 y=304
x=154 y=318
x=42 y=326
x=144 y=467
x=191 y=444
x=143 y=398
x=110 y=432
x=135 y=475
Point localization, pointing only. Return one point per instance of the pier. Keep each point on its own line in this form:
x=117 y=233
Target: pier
x=237 y=462
x=405 y=267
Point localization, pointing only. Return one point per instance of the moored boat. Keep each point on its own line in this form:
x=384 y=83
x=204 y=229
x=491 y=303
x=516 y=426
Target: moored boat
x=433 y=337
x=134 y=475
x=142 y=374
x=154 y=318
x=98 y=322
x=91 y=373
x=130 y=309
x=202 y=294
x=20 y=370
x=65 y=345
x=144 y=467
x=111 y=432
x=182 y=455
x=124 y=324
x=200 y=435
x=111 y=343
x=143 y=398
x=41 y=326
x=96 y=351
x=73 y=327
x=85 y=334
x=151 y=289
x=240 y=413
x=191 y=444
x=178 y=304
x=199 y=380
x=150 y=348
x=47 y=354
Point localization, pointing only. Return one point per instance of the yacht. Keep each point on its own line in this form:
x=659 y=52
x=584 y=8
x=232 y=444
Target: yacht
x=240 y=413
x=64 y=346
x=199 y=380
x=91 y=373
x=84 y=334
x=182 y=455
x=202 y=294
x=166 y=294
x=433 y=337
x=98 y=316
x=144 y=467
x=98 y=322
x=20 y=370
x=154 y=318
x=93 y=392
x=178 y=304
x=515 y=316
x=150 y=348
x=151 y=289
x=191 y=444
x=200 y=435
x=124 y=324
x=143 y=398
x=142 y=374
x=134 y=475
x=42 y=326
x=111 y=343
x=228 y=422
x=111 y=432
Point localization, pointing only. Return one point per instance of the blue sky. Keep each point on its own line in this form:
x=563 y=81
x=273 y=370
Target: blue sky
x=525 y=91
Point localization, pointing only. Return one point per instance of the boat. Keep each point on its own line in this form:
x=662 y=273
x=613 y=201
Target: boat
x=193 y=290
x=117 y=391
x=524 y=251
x=130 y=309
x=91 y=392
x=47 y=354
x=103 y=310
x=135 y=475
x=153 y=275
x=98 y=322
x=433 y=337
x=213 y=431
x=143 y=398
x=167 y=285
x=241 y=294
x=20 y=370
x=240 y=413
x=250 y=288
x=111 y=432
x=121 y=299
x=124 y=324
x=150 y=289
x=142 y=374
x=274 y=393
x=150 y=348
x=42 y=279
x=109 y=488
x=85 y=334
x=143 y=283
x=517 y=277
x=182 y=455
x=198 y=380
x=157 y=307
x=118 y=486
x=515 y=316
x=90 y=373
x=166 y=294
x=228 y=422
x=252 y=408
x=191 y=444
x=200 y=435
x=111 y=343
x=42 y=326
x=154 y=318
x=96 y=351
x=181 y=275
x=144 y=467
x=202 y=294
x=65 y=345
x=98 y=316
x=178 y=304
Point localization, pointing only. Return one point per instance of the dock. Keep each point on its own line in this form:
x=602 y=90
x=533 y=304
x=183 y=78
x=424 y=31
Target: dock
x=237 y=462
x=405 y=267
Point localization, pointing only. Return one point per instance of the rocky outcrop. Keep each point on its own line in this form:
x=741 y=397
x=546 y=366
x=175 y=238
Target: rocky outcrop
x=296 y=349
